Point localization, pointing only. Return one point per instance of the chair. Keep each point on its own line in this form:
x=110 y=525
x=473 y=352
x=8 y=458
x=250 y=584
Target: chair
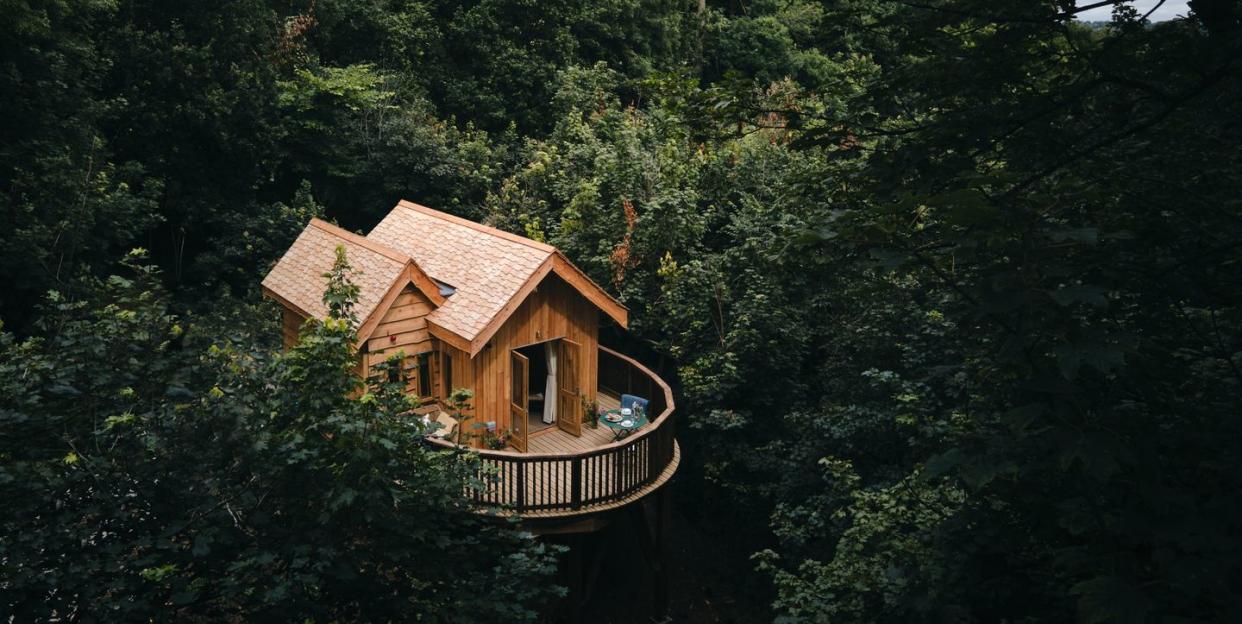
x=447 y=425
x=630 y=401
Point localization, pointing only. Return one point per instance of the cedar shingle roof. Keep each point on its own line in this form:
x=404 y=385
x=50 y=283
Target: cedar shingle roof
x=490 y=270
x=298 y=278
x=487 y=266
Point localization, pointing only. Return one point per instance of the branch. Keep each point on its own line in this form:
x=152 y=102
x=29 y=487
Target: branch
x=1076 y=155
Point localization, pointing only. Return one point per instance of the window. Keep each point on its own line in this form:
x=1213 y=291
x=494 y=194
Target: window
x=424 y=374
x=392 y=369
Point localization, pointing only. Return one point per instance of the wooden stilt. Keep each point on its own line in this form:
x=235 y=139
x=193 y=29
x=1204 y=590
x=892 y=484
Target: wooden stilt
x=664 y=515
x=652 y=516
x=573 y=570
x=599 y=550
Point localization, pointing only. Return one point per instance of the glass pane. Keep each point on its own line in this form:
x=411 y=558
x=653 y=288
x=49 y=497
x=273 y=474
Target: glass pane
x=518 y=389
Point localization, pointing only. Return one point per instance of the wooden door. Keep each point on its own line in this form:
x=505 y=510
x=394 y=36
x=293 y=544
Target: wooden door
x=519 y=387
x=568 y=388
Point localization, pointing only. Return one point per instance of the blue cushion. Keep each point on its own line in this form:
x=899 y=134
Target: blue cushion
x=629 y=400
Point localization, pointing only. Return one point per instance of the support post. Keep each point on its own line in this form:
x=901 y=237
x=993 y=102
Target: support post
x=575 y=483
x=521 y=485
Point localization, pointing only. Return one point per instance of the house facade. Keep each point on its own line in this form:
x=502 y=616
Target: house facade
x=467 y=306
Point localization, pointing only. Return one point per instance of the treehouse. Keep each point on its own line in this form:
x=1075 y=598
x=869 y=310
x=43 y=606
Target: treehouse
x=513 y=320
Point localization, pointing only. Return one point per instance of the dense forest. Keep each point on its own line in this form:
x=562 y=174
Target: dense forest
x=949 y=290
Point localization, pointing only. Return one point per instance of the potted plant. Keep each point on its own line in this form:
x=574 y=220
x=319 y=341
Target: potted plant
x=590 y=412
x=497 y=441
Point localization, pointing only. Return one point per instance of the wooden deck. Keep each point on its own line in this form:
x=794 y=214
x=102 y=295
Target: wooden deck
x=553 y=440
x=551 y=482
x=562 y=475
x=655 y=484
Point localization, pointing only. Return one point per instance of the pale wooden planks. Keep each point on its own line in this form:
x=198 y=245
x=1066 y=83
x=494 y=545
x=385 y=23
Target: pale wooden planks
x=557 y=441
x=608 y=400
x=554 y=310
x=291 y=326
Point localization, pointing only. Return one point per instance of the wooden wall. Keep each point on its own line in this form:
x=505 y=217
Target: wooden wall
x=553 y=310
x=403 y=328
x=290 y=324
x=463 y=371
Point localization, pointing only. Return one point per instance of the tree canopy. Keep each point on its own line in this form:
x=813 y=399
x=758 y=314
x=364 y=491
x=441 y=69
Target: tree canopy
x=947 y=289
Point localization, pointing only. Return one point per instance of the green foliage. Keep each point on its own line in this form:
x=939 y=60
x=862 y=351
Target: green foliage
x=256 y=487
x=1074 y=380
x=342 y=293
x=990 y=298
x=948 y=289
x=458 y=403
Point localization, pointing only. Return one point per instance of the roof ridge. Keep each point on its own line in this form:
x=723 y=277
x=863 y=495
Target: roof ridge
x=479 y=227
x=379 y=248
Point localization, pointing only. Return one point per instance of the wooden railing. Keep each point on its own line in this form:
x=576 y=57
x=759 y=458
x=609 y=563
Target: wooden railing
x=579 y=482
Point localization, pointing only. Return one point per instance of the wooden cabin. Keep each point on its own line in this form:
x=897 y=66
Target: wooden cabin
x=469 y=306
x=513 y=320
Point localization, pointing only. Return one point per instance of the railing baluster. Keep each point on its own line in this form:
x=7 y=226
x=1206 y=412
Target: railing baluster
x=524 y=483
x=521 y=485
x=575 y=489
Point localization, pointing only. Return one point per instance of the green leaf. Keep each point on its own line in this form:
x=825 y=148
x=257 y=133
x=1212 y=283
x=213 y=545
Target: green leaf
x=1019 y=418
x=1084 y=293
x=1110 y=599
x=942 y=464
x=1086 y=235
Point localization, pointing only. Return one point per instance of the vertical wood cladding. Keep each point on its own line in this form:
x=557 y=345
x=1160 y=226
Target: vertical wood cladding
x=554 y=310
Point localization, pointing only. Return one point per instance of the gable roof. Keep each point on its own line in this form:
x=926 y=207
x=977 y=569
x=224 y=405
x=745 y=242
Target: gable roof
x=297 y=279
x=488 y=272
x=492 y=271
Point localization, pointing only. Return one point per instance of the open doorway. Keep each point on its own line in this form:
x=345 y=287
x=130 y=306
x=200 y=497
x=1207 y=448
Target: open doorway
x=541 y=385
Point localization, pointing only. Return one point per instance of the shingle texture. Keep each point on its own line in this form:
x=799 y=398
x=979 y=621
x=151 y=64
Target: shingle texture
x=487 y=266
x=298 y=276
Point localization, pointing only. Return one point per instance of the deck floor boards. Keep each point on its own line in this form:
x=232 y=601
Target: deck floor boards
x=554 y=440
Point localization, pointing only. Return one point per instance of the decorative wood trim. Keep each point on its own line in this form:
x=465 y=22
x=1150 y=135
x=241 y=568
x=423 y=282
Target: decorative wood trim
x=424 y=283
x=447 y=336
x=589 y=289
x=409 y=276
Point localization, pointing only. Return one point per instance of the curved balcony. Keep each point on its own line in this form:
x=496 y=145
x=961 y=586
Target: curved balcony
x=598 y=478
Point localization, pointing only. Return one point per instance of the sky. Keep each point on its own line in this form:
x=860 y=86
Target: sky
x=1170 y=10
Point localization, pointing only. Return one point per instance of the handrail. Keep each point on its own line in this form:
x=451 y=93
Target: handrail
x=576 y=482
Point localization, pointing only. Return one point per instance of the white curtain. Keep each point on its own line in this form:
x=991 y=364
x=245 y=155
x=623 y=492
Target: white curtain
x=549 y=392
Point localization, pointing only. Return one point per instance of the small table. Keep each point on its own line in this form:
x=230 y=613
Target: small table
x=619 y=431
